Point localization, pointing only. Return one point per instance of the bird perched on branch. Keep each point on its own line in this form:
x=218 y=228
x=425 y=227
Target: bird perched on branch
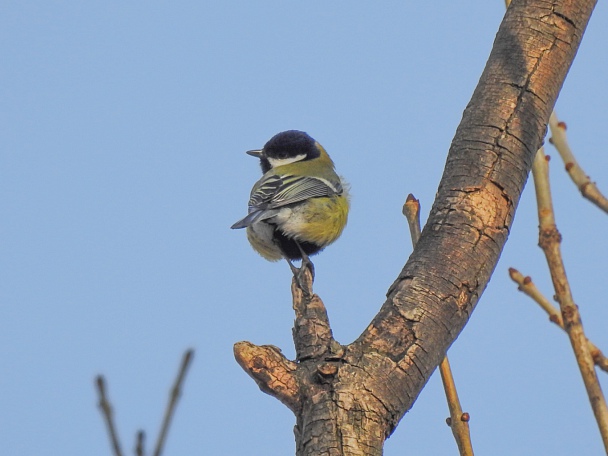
x=300 y=205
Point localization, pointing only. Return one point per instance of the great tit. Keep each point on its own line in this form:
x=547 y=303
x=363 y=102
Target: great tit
x=300 y=205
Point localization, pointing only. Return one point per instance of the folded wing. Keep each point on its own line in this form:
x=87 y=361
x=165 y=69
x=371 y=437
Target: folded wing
x=274 y=192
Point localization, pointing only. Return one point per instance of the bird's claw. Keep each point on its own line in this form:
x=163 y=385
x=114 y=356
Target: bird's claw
x=298 y=275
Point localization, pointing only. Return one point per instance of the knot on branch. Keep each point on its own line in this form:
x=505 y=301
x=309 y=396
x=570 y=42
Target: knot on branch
x=548 y=237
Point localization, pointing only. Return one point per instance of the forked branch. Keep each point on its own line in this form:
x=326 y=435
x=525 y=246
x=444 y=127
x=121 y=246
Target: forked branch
x=108 y=415
x=527 y=286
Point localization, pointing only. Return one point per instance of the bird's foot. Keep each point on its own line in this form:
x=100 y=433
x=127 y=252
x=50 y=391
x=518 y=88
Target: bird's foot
x=299 y=275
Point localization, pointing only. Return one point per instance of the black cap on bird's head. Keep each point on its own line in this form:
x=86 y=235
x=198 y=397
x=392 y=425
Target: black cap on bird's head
x=286 y=147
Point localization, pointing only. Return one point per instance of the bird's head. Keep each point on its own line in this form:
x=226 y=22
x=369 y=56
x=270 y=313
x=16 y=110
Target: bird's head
x=287 y=147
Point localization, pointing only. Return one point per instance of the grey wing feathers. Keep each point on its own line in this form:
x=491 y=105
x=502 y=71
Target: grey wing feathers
x=284 y=190
x=264 y=192
x=254 y=217
x=302 y=188
x=274 y=192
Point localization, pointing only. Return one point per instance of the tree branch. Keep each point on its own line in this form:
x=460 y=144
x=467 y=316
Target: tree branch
x=176 y=392
x=527 y=286
x=351 y=398
x=108 y=414
x=311 y=331
x=140 y=443
x=273 y=373
x=549 y=242
x=411 y=210
x=491 y=154
x=456 y=421
x=587 y=188
x=106 y=409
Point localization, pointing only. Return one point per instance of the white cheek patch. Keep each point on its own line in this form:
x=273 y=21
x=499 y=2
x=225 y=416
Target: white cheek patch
x=275 y=162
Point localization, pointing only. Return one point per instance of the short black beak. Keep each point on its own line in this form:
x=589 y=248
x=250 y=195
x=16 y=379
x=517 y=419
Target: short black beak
x=255 y=153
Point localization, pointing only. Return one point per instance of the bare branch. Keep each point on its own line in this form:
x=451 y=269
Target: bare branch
x=173 y=398
x=106 y=409
x=549 y=241
x=459 y=426
x=411 y=210
x=311 y=331
x=108 y=415
x=459 y=420
x=527 y=286
x=587 y=188
x=140 y=443
x=273 y=373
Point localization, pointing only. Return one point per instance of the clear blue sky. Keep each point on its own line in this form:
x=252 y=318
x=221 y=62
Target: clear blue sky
x=122 y=166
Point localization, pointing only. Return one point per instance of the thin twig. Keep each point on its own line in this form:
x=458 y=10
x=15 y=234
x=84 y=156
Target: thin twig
x=140 y=444
x=411 y=210
x=527 y=286
x=458 y=421
x=173 y=398
x=106 y=411
x=549 y=241
x=587 y=188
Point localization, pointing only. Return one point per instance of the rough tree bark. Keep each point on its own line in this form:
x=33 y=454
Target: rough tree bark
x=349 y=399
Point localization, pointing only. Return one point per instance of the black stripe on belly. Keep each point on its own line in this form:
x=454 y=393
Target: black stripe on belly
x=290 y=249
